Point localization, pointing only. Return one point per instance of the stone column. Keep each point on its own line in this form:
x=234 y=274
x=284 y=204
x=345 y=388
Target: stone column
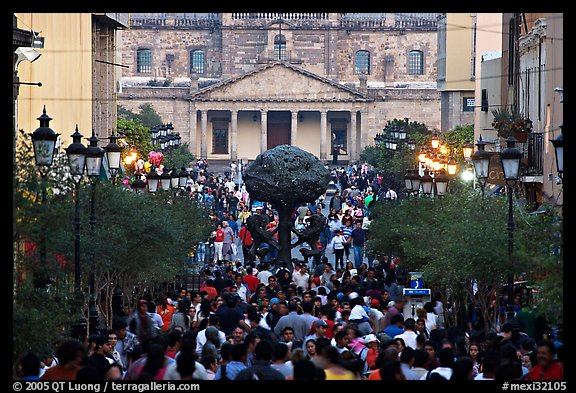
x=263 y=131
x=193 y=126
x=234 y=135
x=363 y=130
x=352 y=150
x=323 y=121
x=203 y=134
x=294 y=128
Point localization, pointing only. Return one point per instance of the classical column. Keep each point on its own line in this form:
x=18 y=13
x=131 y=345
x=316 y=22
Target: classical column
x=352 y=150
x=323 y=121
x=234 y=135
x=363 y=129
x=294 y=128
x=203 y=134
x=193 y=126
x=263 y=131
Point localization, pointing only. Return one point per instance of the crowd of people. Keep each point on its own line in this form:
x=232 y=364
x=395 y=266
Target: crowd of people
x=254 y=319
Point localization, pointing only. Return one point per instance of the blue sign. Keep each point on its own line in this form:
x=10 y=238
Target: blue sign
x=416 y=291
x=416 y=280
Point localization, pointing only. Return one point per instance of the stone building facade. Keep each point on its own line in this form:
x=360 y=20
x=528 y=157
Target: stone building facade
x=236 y=84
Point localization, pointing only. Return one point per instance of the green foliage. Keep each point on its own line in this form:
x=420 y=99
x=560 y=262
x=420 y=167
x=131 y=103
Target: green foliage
x=371 y=155
x=148 y=116
x=456 y=137
x=462 y=239
x=179 y=156
x=137 y=137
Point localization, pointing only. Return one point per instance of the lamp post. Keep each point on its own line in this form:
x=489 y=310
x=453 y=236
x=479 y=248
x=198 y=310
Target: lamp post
x=94 y=156
x=113 y=155
x=481 y=161
x=427 y=183
x=76 y=152
x=510 y=158
x=44 y=143
x=441 y=180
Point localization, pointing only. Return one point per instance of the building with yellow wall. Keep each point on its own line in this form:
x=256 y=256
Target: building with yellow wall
x=78 y=84
x=456 y=68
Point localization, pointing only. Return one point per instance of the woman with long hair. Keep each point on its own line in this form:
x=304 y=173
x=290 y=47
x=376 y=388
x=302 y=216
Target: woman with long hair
x=203 y=314
x=181 y=318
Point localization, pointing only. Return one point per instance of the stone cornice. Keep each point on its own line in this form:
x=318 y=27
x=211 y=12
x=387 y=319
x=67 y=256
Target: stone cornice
x=532 y=39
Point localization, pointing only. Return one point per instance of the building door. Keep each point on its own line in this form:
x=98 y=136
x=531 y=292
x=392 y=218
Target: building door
x=278 y=134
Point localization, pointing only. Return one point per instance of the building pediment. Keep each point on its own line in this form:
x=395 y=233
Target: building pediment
x=279 y=82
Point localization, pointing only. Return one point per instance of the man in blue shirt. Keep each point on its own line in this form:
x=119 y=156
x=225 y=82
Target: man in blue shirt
x=358 y=239
x=232 y=368
x=396 y=324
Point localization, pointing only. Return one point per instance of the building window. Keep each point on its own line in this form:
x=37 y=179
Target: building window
x=468 y=104
x=415 y=62
x=473 y=59
x=197 y=61
x=220 y=137
x=339 y=138
x=280 y=47
x=144 y=61
x=362 y=62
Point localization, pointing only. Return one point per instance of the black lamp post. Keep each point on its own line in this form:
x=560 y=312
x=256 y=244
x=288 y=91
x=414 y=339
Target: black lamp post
x=77 y=161
x=441 y=180
x=182 y=178
x=510 y=158
x=427 y=182
x=558 y=144
x=152 y=179
x=174 y=178
x=481 y=161
x=94 y=157
x=113 y=155
x=44 y=143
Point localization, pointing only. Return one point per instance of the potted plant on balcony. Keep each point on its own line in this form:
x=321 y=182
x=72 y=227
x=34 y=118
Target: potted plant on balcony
x=508 y=122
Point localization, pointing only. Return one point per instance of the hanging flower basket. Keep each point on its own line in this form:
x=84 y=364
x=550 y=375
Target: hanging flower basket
x=511 y=122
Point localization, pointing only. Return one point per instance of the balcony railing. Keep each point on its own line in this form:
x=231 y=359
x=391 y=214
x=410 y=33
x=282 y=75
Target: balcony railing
x=270 y=55
x=363 y=20
x=281 y=15
x=415 y=20
x=176 y=20
x=535 y=154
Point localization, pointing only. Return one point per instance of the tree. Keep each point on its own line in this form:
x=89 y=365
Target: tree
x=460 y=244
x=286 y=176
x=137 y=137
x=147 y=115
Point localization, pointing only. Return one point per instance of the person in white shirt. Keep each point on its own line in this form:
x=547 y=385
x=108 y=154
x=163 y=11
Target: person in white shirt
x=409 y=335
x=337 y=244
x=301 y=277
x=214 y=321
x=391 y=195
x=264 y=274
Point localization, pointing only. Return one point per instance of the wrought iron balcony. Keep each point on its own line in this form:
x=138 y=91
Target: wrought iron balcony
x=535 y=153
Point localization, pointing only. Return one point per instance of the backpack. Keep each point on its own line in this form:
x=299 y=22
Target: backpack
x=223 y=375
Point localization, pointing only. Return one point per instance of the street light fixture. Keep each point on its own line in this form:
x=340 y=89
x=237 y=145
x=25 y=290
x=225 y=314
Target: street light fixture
x=427 y=183
x=152 y=179
x=452 y=166
x=113 y=154
x=94 y=155
x=441 y=180
x=435 y=141
x=481 y=161
x=174 y=178
x=138 y=184
x=467 y=149
x=416 y=180
x=44 y=143
x=183 y=178
x=165 y=179
x=422 y=155
x=408 y=180
x=510 y=158
x=76 y=152
x=558 y=144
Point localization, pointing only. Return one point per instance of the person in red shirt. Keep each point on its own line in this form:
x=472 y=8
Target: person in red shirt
x=219 y=243
x=246 y=238
x=547 y=369
x=250 y=279
x=166 y=310
x=211 y=292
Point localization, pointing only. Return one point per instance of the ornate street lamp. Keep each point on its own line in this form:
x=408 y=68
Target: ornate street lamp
x=510 y=158
x=152 y=178
x=411 y=143
x=94 y=155
x=416 y=180
x=113 y=154
x=44 y=142
x=481 y=161
x=138 y=184
x=174 y=178
x=183 y=178
x=422 y=155
x=165 y=179
x=558 y=144
x=427 y=183
x=408 y=180
x=401 y=133
x=435 y=142
x=452 y=166
x=467 y=149
x=441 y=181
x=76 y=152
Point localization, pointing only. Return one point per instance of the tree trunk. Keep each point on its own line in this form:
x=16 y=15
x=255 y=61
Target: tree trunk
x=284 y=236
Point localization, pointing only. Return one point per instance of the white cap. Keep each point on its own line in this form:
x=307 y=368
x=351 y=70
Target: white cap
x=369 y=338
x=353 y=295
x=391 y=303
